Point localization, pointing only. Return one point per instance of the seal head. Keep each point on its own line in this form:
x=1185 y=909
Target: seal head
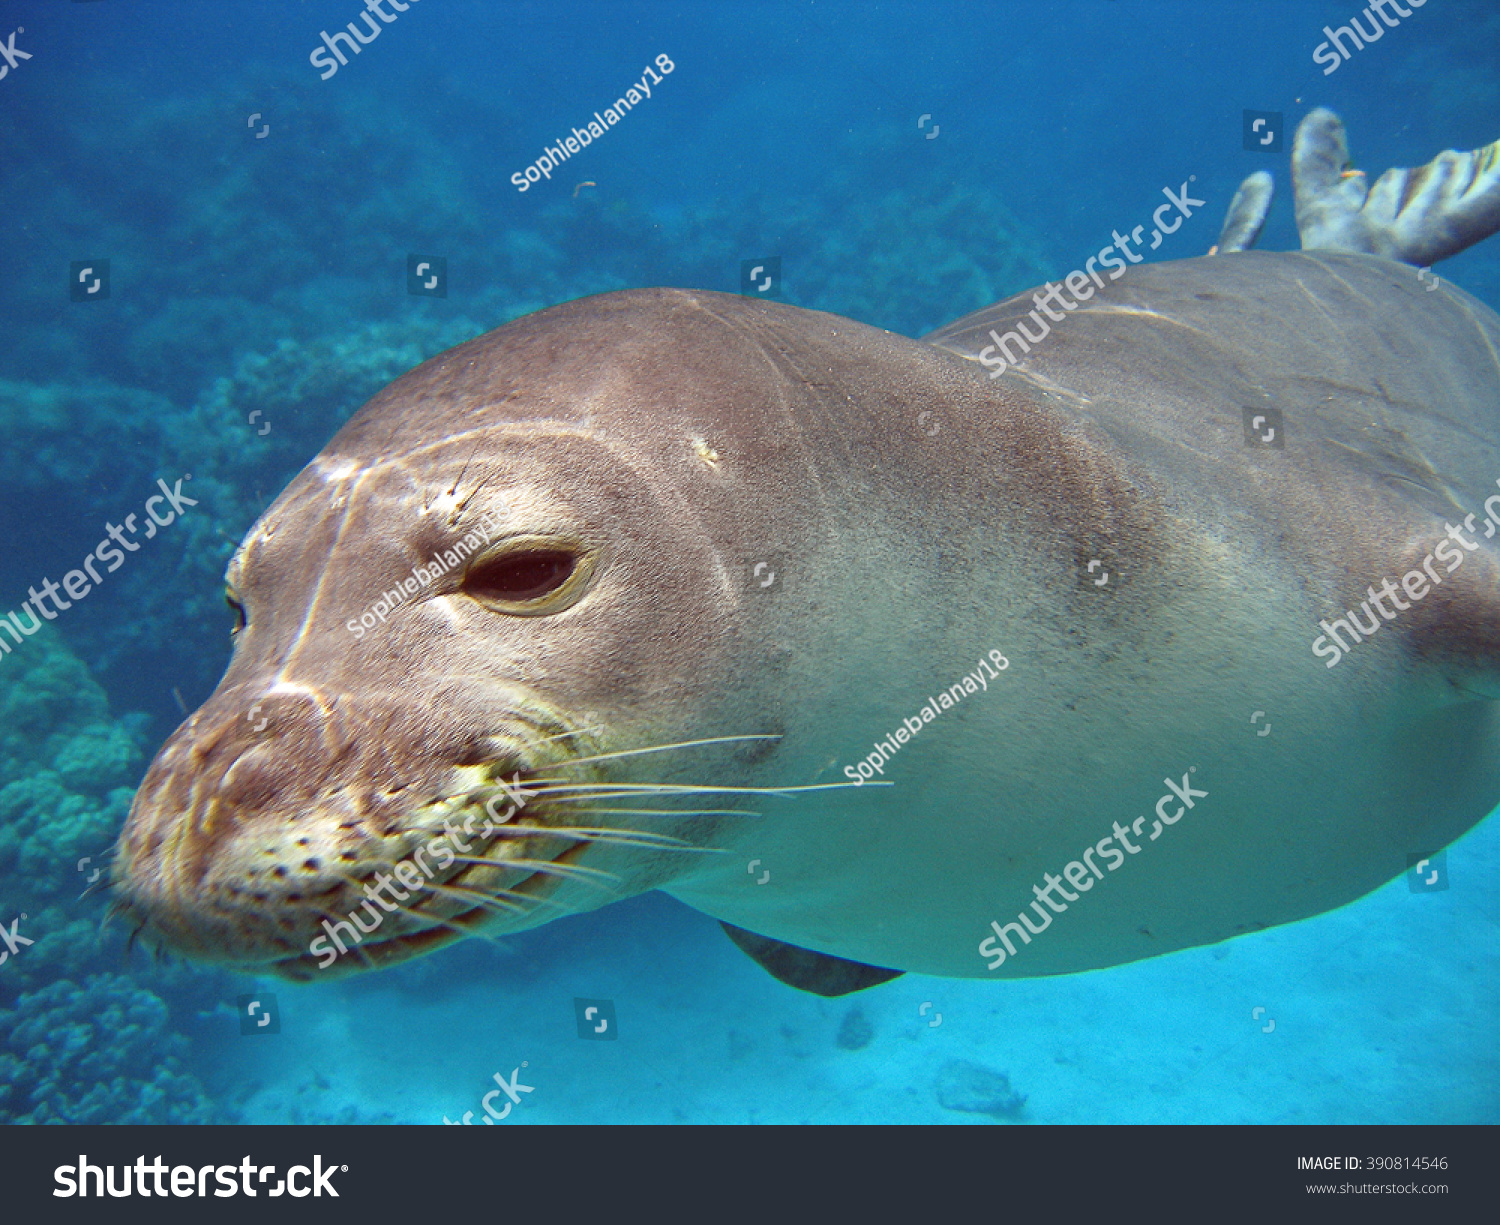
x=458 y=615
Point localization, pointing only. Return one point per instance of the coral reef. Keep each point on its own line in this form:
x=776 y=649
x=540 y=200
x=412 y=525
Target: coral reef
x=66 y=771
x=99 y=1053
x=65 y=774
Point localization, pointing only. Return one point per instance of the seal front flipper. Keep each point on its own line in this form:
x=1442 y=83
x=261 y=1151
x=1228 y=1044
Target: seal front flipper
x=819 y=973
x=1445 y=595
x=1456 y=623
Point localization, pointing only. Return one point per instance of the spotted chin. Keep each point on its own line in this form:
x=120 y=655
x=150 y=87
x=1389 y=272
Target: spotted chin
x=242 y=860
x=490 y=860
x=350 y=878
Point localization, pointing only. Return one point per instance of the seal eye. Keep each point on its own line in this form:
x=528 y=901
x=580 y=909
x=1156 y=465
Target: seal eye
x=521 y=576
x=530 y=578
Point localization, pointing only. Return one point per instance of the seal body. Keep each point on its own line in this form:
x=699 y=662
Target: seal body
x=780 y=524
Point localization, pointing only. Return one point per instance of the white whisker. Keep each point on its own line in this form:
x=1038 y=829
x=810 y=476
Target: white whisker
x=546 y=868
x=668 y=812
x=627 y=837
x=662 y=748
x=698 y=788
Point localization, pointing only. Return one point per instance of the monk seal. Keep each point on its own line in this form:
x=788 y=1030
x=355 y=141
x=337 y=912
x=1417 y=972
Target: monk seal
x=853 y=641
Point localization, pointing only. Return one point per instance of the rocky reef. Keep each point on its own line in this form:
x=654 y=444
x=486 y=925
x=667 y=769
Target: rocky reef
x=79 y=1042
x=98 y=1053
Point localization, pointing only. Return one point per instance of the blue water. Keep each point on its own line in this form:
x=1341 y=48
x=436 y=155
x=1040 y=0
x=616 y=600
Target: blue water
x=258 y=266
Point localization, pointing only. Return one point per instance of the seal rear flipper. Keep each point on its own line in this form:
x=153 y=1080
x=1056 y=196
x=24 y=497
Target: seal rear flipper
x=1417 y=216
x=820 y=973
